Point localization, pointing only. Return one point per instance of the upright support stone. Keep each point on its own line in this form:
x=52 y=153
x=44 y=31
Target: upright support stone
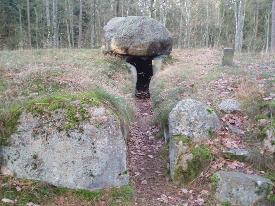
x=228 y=55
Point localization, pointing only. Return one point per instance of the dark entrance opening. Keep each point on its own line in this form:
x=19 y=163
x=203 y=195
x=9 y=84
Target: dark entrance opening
x=144 y=70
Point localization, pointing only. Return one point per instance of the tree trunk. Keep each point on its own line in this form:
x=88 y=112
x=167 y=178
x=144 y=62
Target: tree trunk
x=71 y=21
x=267 y=32
x=55 y=28
x=20 y=27
x=49 y=35
x=93 y=24
x=180 y=43
x=117 y=7
x=80 y=24
x=29 y=24
x=67 y=11
x=36 y=27
x=207 y=24
x=152 y=8
x=239 y=21
x=273 y=28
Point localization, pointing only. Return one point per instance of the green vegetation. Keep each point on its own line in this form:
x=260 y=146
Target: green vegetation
x=210 y=111
x=88 y=195
x=202 y=156
x=8 y=123
x=75 y=107
x=271 y=175
x=76 y=111
x=215 y=180
x=43 y=83
x=271 y=194
x=182 y=138
x=124 y=195
x=45 y=194
x=226 y=204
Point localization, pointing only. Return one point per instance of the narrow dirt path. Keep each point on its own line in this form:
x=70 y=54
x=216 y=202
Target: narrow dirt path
x=148 y=161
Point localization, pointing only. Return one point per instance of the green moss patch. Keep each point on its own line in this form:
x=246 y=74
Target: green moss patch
x=74 y=105
x=182 y=138
x=202 y=156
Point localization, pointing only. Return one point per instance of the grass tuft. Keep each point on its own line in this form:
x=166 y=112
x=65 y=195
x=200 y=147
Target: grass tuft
x=8 y=123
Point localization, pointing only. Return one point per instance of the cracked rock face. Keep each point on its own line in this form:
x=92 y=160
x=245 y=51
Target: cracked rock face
x=136 y=36
x=193 y=119
x=91 y=156
x=238 y=188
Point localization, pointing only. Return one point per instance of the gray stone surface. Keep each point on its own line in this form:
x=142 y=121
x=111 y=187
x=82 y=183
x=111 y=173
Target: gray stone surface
x=179 y=156
x=238 y=154
x=241 y=189
x=92 y=156
x=230 y=105
x=228 y=55
x=193 y=119
x=137 y=36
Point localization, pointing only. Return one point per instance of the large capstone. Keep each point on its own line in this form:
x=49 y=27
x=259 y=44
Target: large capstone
x=50 y=148
x=236 y=188
x=193 y=119
x=136 y=36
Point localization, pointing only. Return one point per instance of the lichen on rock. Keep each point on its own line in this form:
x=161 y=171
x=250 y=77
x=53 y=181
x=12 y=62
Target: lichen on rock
x=73 y=141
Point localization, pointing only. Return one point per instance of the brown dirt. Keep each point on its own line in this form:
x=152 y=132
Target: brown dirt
x=148 y=161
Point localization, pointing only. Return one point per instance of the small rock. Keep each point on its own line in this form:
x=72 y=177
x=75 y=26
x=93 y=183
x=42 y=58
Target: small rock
x=184 y=191
x=144 y=182
x=238 y=188
x=8 y=201
x=236 y=154
x=151 y=137
x=230 y=106
x=235 y=129
x=151 y=156
x=31 y=204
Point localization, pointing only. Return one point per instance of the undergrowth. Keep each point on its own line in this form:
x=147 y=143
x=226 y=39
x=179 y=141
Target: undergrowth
x=45 y=194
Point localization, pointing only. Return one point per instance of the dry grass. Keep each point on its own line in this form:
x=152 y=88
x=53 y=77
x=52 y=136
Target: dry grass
x=250 y=96
x=34 y=73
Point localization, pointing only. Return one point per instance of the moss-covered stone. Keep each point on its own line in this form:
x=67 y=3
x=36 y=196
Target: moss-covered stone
x=201 y=157
x=74 y=106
